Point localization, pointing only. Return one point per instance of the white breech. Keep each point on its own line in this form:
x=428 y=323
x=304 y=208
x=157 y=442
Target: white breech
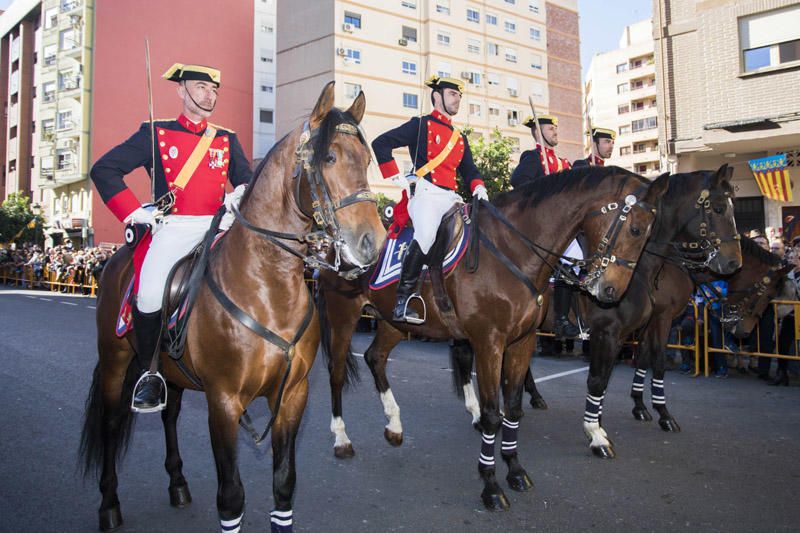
x=574 y=251
x=426 y=209
x=175 y=238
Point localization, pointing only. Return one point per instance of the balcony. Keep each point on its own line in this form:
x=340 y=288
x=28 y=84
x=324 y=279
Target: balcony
x=50 y=60
x=70 y=5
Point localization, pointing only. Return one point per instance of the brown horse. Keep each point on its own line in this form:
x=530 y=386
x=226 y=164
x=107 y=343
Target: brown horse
x=493 y=307
x=261 y=271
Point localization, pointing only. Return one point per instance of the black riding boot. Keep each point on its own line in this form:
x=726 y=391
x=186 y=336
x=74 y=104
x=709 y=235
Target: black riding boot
x=409 y=275
x=147 y=327
x=562 y=299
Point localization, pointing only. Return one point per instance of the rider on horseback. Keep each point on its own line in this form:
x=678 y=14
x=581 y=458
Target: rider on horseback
x=188 y=149
x=439 y=151
x=602 y=147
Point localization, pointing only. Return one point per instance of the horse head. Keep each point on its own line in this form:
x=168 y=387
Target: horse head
x=617 y=232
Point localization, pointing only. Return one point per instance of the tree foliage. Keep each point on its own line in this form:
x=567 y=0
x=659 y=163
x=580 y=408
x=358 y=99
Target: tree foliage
x=17 y=221
x=492 y=156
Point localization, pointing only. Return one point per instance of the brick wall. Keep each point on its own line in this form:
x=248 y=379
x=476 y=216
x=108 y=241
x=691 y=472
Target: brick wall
x=564 y=78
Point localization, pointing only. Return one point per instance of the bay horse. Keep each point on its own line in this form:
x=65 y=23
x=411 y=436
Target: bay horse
x=313 y=183
x=498 y=306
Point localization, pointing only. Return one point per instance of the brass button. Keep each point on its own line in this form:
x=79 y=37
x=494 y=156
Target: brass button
x=224 y=173
x=167 y=170
x=225 y=139
x=222 y=185
x=162 y=143
x=225 y=161
x=225 y=149
x=170 y=183
x=165 y=157
x=161 y=132
x=174 y=209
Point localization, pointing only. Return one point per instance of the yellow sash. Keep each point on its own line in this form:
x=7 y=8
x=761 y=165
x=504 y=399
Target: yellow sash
x=434 y=163
x=193 y=162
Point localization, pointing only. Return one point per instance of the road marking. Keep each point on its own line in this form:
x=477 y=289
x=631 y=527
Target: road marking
x=91 y=307
x=68 y=303
x=46 y=299
x=537 y=380
x=31 y=297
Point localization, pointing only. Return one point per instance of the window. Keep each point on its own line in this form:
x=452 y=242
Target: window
x=410 y=4
x=494 y=111
x=65 y=159
x=492 y=49
x=637 y=106
x=625 y=150
x=533 y=6
x=266 y=55
x=64 y=120
x=50 y=54
x=473 y=46
x=622 y=67
x=265 y=116
x=536 y=33
x=353 y=55
x=48 y=125
x=537 y=89
x=68 y=80
x=511 y=27
x=624 y=130
x=512 y=85
x=49 y=91
x=51 y=18
x=443 y=7
x=770 y=39
x=644 y=124
x=409 y=67
x=443 y=38
x=512 y=2
x=511 y=55
x=491 y=19
x=351 y=90
x=265 y=28
x=474 y=110
x=267 y=89
x=492 y=78
x=69 y=40
x=444 y=69
x=473 y=15
x=513 y=117
x=636 y=63
x=410 y=34
x=622 y=88
x=639 y=148
x=514 y=144
x=410 y=100
x=472 y=77
x=536 y=61
x=352 y=18
x=621 y=110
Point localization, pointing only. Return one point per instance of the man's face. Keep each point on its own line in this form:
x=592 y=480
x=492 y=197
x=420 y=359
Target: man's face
x=762 y=242
x=550 y=133
x=451 y=101
x=777 y=248
x=199 y=97
x=604 y=147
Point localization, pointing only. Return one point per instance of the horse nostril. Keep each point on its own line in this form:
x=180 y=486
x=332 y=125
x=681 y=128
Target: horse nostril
x=732 y=265
x=610 y=291
x=367 y=245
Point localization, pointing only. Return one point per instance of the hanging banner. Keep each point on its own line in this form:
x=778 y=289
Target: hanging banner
x=772 y=176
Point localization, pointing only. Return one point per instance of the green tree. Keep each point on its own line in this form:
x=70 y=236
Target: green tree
x=492 y=156
x=17 y=221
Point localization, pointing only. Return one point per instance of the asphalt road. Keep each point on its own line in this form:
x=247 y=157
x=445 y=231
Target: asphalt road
x=733 y=468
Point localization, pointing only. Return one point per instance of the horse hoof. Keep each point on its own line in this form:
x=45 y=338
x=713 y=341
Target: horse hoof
x=538 y=403
x=669 y=425
x=344 y=451
x=642 y=415
x=495 y=501
x=395 y=439
x=110 y=519
x=180 y=496
x=519 y=481
x=477 y=426
x=604 y=452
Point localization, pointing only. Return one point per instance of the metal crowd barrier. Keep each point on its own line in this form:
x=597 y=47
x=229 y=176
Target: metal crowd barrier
x=10 y=274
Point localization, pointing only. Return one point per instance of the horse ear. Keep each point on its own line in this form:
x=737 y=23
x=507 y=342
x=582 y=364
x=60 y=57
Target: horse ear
x=659 y=187
x=723 y=173
x=323 y=107
x=359 y=106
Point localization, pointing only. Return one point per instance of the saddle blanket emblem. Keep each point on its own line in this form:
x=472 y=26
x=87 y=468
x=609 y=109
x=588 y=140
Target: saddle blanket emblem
x=391 y=259
x=125 y=317
x=216 y=158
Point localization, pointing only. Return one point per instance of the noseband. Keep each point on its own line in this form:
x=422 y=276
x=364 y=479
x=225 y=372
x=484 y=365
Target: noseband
x=700 y=253
x=733 y=313
x=326 y=230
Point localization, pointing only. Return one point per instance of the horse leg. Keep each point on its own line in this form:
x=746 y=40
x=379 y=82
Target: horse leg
x=461 y=359
x=489 y=360
x=376 y=356
x=654 y=342
x=537 y=402
x=179 y=495
x=640 y=411
x=223 y=424
x=605 y=347
x=516 y=366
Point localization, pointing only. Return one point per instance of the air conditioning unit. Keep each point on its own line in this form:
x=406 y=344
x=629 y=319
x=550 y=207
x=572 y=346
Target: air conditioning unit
x=402 y=42
x=512 y=92
x=341 y=51
x=466 y=75
x=513 y=122
x=347 y=27
x=347 y=60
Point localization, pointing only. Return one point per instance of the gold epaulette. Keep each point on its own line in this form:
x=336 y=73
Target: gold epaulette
x=221 y=128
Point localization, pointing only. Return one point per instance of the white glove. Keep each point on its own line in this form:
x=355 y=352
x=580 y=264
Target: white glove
x=234 y=197
x=403 y=183
x=141 y=215
x=227 y=221
x=481 y=193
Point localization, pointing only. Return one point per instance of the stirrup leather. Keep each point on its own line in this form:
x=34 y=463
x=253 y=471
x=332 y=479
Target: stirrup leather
x=162 y=400
x=412 y=320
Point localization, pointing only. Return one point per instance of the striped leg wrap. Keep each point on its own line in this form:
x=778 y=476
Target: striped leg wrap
x=508 y=446
x=280 y=521
x=486 y=460
x=594 y=408
x=657 y=391
x=638 y=381
x=231 y=526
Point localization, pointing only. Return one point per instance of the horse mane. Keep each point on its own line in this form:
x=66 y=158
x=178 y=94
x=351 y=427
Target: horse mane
x=545 y=187
x=327 y=130
x=750 y=247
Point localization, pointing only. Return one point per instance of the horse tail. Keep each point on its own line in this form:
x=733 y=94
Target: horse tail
x=351 y=375
x=92 y=446
x=461 y=358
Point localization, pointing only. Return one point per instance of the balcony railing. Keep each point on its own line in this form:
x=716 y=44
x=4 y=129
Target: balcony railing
x=69 y=5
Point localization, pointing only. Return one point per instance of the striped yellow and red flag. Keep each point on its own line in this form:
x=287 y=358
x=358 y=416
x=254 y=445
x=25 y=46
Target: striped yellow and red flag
x=772 y=176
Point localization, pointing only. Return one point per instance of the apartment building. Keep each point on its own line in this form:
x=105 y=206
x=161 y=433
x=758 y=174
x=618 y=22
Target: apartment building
x=74 y=84
x=264 y=77
x=728 y=76
x=620 y=94
x=504 y=50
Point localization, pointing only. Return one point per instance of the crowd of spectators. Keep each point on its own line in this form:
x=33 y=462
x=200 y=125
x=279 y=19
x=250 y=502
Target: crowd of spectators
x=63 y=267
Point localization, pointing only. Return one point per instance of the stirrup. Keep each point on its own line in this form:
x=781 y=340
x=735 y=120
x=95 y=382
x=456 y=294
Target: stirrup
x=162 y=400
x=584 y=334
x=412 y=320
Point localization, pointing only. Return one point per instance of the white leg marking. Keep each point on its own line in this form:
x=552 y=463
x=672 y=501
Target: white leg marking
x=337 y=428
x=471 y=402
x=392 y=412
x=597 y=435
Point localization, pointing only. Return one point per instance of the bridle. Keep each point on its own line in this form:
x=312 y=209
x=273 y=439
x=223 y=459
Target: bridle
x=326 y=230
x=746 y=306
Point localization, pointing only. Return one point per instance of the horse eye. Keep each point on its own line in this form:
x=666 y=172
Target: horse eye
x=719 y=210
x=635 y=231
x=330 y=158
